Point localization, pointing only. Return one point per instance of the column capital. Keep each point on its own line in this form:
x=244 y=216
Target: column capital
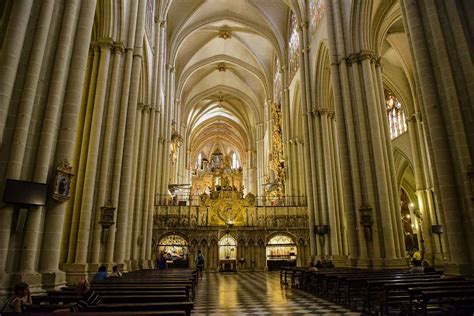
x=146 y=108
x=119 y=47
x=361 y=56
x=105 y=42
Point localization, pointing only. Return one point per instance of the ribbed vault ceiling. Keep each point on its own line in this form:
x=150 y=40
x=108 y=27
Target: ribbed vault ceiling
x=222 y=84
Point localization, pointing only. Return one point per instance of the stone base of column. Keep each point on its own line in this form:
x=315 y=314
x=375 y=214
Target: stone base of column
x=53 y=280
x=127 y=266
x=436 y=259
x=76 y=272
x=458 y=269
x=375 y=263
x=135 y=265
x=34 y=280
x=339 y=260
x=145 y=264
x=92 y=268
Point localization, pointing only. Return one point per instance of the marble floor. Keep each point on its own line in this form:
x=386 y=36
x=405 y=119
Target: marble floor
x=257 y=293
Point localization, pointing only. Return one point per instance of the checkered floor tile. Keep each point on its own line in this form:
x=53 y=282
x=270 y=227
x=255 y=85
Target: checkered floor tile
x=257 y=293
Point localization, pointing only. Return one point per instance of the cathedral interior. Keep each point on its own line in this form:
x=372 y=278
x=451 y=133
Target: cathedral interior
x=264 y=133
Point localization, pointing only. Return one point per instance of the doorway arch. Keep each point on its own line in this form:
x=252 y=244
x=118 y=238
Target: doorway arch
x=281 y=251
x=175 y=249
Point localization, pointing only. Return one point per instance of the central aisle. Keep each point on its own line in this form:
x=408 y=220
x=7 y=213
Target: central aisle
x=256 y=293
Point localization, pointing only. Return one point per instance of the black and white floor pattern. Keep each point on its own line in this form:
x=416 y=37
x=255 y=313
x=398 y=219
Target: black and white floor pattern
x=257 y=293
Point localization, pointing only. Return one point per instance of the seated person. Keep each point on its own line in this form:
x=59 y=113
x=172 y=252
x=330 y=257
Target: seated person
x=115 y=272
x=101 y=274
x=88 y=298
x=319 y=265
x=20 y=300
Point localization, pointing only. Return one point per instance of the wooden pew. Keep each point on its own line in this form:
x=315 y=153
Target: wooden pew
x=398 y=293
x=110 y=299
x=150 y=292
x=124 y=307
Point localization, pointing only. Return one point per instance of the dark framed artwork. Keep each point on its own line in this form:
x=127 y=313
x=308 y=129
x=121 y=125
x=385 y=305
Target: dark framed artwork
x=62 y=182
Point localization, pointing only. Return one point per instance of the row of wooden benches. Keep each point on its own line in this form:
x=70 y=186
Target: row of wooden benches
x=386 y=291
x=167 y=292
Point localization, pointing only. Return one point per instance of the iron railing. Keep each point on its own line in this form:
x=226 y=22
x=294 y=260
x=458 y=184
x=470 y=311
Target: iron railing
x=260 y=201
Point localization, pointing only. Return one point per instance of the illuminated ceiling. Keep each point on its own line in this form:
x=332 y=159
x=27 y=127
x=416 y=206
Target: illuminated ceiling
x=223 y=52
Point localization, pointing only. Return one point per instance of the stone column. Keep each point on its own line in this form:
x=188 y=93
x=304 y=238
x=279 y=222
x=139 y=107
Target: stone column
x=134 y=215
x=419 y=23
x=93 y=153
x=346 y=134
x=56 y=92
x=142 y=166
x=127 y=162
x=10 y=58
x=20 y=137
x=101 y=198
x=53 y=227
x=309 y=140
x=301 y=174
x=81 y=152
x=331 y=188
x=121 y=183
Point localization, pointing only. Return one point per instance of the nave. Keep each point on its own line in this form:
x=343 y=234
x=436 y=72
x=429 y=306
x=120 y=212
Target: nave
x=257 y=293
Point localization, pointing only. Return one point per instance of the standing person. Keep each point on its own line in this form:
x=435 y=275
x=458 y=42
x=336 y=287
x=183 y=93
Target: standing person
x=200 y=263
x=161 y=261
x=21 y=299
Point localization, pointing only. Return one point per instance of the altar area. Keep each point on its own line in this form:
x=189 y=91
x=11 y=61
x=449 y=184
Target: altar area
x=234 y=231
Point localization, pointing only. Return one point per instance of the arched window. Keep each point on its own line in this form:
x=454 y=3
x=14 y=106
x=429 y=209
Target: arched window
x=174 y=245
x=317 y=9
x=199 y=161
x=235 y=161
x=227 y=248
x=277 y=82
x=293 y=48
x=396 y=117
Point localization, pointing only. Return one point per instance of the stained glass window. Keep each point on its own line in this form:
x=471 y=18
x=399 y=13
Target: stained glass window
x=396 y=117
x=317 y=9
x=174 y=246
x=277 y=83
x=293 y=48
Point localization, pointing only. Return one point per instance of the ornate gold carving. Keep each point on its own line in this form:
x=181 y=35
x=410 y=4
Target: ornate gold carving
x=276 y=161
x=175 y=144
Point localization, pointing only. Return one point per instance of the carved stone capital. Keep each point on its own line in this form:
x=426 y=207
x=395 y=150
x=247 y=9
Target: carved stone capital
x=146 y=108
x=119 y=47
x=105 y=43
